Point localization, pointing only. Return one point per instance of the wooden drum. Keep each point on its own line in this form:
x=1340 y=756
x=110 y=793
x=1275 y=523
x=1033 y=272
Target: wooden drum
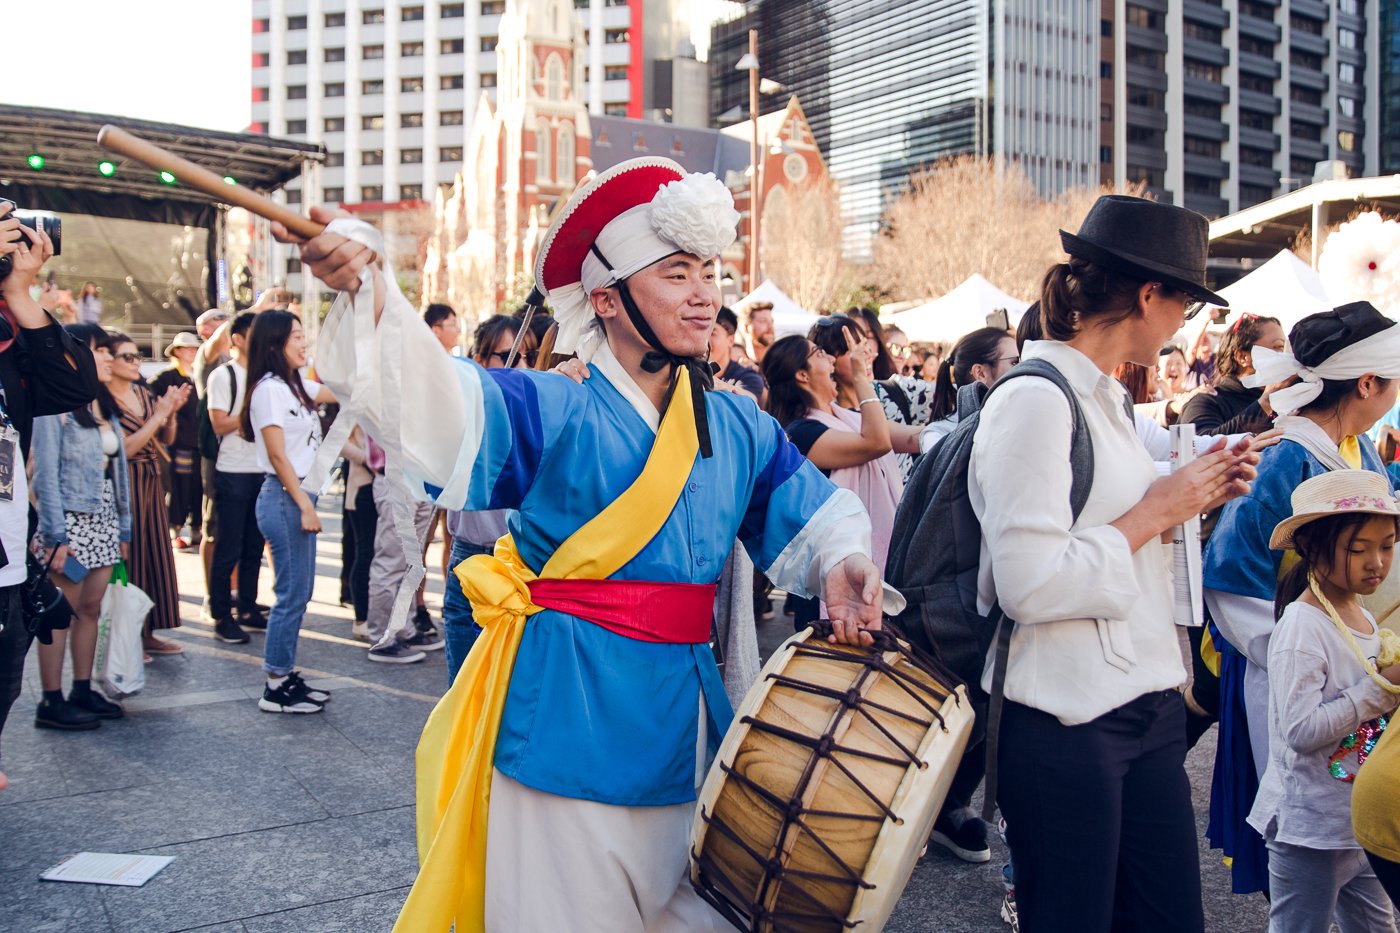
x=827 y=785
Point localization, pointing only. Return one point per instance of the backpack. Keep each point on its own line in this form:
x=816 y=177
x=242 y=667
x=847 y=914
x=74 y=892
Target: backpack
x=209 y=439
x=936 y=548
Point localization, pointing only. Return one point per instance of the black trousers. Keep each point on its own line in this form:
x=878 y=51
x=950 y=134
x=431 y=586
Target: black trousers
x=14 y=645
x=186 y=491
x=365 y=518
x=1388 y=873
x=1098 y=817
x=239 y=544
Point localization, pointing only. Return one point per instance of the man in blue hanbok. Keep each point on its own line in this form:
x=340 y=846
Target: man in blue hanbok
x=629 y=489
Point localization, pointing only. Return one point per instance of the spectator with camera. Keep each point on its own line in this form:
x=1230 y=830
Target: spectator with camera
x=43 y=371
x=83 y=495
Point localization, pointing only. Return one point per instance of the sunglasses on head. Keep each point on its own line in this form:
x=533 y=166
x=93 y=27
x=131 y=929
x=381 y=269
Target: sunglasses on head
x=529 y=356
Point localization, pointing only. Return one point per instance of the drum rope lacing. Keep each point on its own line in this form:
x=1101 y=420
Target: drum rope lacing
x=824 y=748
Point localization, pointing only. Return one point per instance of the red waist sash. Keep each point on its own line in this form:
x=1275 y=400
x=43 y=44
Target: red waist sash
x=671 y=613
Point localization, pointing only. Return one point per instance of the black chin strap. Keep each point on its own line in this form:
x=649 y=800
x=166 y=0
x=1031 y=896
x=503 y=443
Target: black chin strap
x=702 y=373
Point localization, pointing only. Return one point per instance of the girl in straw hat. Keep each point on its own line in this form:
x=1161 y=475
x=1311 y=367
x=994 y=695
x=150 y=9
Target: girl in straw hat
x=1328 y=703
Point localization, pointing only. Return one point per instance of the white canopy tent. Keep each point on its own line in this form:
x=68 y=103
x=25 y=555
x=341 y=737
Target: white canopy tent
x=961 y=311
x=1285 y=287
x=789 y=317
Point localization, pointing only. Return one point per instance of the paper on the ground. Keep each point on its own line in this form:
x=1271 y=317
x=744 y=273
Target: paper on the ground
x=108 y=868
x=1186 y=540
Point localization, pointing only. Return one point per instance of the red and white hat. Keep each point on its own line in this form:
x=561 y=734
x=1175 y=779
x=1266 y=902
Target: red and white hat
x=633 y=214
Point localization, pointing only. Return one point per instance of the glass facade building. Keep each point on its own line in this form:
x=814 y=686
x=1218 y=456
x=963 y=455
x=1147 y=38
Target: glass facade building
x=887 y=86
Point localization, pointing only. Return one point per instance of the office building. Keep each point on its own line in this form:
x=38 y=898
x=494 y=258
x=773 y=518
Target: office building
x=1214 y=104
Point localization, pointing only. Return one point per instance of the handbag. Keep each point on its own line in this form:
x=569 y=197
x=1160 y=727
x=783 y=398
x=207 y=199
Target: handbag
x=120 y=664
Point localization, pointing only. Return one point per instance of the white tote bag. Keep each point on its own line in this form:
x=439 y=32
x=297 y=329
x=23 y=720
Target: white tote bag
x=120 y=659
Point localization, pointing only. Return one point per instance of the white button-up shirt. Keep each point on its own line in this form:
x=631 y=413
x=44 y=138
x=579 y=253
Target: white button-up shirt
x=1093 y=621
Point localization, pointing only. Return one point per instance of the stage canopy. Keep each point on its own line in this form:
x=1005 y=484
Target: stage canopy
x=150 y=245
x=1285 y=287
x=789 y=317
x=961 y=311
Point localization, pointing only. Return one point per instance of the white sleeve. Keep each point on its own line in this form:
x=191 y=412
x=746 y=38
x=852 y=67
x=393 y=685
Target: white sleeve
x=1157 y=439
x=217 y=394
x=395 y=379
x=1247 y=622
x=1046 y=568
x=267 y=403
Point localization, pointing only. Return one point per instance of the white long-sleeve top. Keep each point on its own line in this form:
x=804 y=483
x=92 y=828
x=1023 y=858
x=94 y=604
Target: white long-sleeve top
x=1319 y=695
x=1093 y=620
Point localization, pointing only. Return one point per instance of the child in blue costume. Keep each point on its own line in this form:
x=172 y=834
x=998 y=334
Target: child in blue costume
x=1345 y=361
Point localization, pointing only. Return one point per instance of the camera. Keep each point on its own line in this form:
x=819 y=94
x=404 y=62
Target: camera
x=43 y=604
x=53 y=226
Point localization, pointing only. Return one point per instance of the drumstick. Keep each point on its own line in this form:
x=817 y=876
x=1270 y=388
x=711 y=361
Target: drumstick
x=202 y=179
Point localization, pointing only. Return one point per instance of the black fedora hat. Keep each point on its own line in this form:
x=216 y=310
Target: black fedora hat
x=1152 y=241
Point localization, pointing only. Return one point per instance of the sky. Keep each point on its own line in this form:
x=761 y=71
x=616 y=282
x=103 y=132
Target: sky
x=173 y=61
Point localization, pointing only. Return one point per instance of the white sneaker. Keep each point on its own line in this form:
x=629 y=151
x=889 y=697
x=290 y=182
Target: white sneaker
x=360 y=631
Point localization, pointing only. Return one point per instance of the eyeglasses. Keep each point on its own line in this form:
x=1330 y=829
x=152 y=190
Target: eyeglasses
x=129 y=357
x=529 y=356
x=1190 y=306
x=901 y=352
x=1013 y=360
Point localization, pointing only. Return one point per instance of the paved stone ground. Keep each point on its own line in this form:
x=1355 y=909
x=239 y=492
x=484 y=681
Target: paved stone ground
x=305 y=823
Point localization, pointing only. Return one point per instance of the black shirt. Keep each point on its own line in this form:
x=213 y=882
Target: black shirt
x=44 y=372
x=187 y=418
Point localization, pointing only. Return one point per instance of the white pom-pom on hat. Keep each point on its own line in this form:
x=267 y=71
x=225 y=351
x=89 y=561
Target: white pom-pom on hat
x=696 y=213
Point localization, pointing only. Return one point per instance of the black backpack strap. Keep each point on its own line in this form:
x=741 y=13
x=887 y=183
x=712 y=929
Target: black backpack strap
x=1081 y=461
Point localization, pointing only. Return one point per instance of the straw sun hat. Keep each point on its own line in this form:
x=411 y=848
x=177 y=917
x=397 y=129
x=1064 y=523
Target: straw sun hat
x=1337 y=492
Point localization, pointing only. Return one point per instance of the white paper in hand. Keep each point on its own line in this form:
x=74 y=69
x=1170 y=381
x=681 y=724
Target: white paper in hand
x=1186 y=540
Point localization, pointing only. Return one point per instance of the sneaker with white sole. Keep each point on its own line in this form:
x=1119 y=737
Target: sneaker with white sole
x=396 y=653
x=288 y=697
x=968 y=840
x=360 y=631
x=313 y=694
x=229 y=632
x=425 y=641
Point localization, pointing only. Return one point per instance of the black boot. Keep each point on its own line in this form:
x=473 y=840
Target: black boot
x=60 y=714
x=90 y=701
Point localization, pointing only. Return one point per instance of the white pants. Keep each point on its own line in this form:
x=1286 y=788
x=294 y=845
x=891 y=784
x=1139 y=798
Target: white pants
x=554 y=863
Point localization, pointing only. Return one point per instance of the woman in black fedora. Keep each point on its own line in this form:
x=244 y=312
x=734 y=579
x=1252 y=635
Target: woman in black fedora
x=1092 y=736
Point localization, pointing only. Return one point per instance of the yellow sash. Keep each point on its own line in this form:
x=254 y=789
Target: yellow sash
x=457 y=748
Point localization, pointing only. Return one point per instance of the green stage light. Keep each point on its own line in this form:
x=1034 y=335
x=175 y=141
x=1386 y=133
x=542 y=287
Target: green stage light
x=230 y=180
x=36 y=161
x=107 y=169
x=167 y=178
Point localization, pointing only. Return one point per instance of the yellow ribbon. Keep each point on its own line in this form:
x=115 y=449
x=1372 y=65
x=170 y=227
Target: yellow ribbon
x=457 y=749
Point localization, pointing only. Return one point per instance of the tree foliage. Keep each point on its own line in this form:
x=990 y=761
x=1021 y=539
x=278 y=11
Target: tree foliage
x=801 y=241
x=969 y=214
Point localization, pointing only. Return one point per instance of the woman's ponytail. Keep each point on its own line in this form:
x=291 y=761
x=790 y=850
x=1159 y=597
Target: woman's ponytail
x=1057 y=313
x=1077 y=291
x=945 y=394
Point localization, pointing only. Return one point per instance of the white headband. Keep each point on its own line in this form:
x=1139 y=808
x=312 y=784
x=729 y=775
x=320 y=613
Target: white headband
x=693 y=215
x=1378 y=354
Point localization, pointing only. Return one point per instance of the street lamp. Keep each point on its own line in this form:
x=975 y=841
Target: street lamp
x=749 y=63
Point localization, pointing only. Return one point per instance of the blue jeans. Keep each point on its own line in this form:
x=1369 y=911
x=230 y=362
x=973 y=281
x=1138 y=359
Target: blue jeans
x=457 y=623
x=293 y=574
